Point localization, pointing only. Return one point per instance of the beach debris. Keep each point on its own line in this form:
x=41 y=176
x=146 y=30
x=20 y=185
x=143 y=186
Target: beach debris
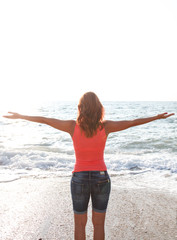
x=135 y=168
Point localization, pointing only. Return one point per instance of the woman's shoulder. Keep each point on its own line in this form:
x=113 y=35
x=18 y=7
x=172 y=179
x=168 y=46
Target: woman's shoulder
x=106 y=125
x=72 y=127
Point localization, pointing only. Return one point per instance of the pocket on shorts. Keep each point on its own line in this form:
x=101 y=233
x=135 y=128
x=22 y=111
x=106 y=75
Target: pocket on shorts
x=76 y=188
x=104 y=186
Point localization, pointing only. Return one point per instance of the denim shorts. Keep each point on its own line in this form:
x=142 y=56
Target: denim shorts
x=96 y=184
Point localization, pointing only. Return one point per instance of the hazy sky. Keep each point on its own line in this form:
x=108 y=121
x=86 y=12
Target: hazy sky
x=122 y=50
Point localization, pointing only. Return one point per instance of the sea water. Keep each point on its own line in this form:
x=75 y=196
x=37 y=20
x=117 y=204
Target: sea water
x=33 y=149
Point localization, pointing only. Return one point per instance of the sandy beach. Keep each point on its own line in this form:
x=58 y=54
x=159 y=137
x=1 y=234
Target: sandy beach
x=36 y=208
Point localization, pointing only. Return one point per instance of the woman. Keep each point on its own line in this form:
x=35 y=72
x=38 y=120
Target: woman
x=90 y=178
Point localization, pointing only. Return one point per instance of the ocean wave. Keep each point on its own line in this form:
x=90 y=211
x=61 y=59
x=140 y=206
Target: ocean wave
x=152 y=146
x=47 y=160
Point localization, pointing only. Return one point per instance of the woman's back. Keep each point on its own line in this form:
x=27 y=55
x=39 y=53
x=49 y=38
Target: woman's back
x=89 y=151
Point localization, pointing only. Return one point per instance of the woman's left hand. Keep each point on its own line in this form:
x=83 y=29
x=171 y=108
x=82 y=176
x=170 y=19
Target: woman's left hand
x=13 y=115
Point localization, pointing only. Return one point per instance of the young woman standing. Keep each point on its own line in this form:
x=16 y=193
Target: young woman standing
x=90 y=177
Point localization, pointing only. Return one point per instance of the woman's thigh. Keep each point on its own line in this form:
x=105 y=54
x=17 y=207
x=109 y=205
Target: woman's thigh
x=80 y=192
x=100 y=191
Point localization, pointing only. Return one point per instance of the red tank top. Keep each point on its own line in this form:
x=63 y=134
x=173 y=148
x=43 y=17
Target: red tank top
x=89 y=151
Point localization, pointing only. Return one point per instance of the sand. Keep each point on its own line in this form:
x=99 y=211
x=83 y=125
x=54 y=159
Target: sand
x=36 y=208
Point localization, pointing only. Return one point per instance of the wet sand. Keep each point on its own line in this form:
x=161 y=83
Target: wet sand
x=36 y=208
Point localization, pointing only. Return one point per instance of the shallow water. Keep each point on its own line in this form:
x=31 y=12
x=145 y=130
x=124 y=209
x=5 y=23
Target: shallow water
x=29 y=148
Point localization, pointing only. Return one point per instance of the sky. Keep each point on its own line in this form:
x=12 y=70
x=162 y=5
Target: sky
x=122 y=50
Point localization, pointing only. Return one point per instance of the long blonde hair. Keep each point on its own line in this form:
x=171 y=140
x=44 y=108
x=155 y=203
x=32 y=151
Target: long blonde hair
x=90 y=114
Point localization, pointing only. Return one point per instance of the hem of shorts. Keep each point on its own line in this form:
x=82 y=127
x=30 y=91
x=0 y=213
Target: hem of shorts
x=99 y=211
x=76 y=212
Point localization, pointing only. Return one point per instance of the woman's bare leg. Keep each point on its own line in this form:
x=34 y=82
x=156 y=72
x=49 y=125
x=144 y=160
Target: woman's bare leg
x=98 y=220
x=80 y=221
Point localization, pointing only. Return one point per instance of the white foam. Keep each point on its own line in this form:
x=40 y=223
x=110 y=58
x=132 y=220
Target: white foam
x=31 y=147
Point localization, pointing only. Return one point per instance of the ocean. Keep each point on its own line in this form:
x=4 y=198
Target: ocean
x=32 y=149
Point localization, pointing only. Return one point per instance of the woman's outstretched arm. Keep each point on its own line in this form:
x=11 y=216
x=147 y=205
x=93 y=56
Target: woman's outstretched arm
x=115 y=126
x=63 y=125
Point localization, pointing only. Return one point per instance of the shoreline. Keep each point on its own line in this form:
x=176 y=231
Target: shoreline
x=35 y=207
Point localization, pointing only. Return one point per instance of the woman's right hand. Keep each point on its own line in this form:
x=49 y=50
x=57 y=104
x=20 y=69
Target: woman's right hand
x=164 y=115
x=13 y=115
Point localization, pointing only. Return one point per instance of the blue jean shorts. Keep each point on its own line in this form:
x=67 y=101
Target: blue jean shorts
x=94 y=184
